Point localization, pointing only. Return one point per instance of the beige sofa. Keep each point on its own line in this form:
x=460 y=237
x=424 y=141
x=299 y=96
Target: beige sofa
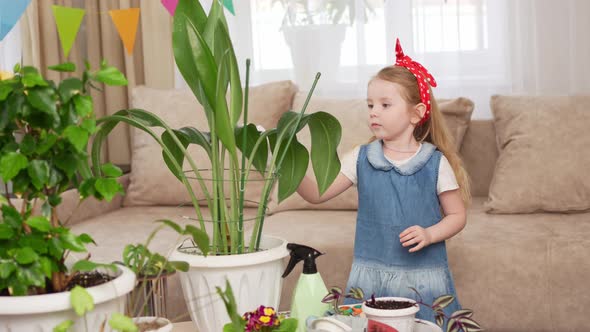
x=518 y=272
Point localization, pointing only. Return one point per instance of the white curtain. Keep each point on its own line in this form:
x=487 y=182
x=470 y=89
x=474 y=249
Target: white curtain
x=474 y=48
x=11 y=49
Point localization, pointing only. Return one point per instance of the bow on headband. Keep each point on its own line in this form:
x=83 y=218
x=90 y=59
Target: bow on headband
x=422 y=75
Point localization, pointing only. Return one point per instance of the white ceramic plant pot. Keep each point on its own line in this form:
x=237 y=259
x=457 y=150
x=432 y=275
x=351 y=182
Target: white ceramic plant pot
x=401 y=319
x=254 y=277
x=41 y=313
x=167 y=325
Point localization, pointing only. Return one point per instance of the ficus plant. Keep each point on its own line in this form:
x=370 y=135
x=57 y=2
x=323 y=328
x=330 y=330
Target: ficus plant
x=45 y=127
x=205 y=57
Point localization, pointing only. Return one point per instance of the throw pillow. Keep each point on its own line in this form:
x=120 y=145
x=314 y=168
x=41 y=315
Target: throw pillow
x=543 y=143
x=352 y=114
x=151 y=182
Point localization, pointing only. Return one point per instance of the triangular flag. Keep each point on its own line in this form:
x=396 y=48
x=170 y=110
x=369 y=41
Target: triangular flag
x=68 y=23
x=10 y=13
x=170 y=5
x=126 y=22
x=229 y=4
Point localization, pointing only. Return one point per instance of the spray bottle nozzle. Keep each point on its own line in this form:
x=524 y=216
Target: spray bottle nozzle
x=300 y=252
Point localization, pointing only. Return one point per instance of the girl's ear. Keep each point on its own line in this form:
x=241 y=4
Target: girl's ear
x=418 y=112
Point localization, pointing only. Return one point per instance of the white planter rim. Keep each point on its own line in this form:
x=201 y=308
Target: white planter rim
x=274 y=248
x=391 y=312
x=36 y=304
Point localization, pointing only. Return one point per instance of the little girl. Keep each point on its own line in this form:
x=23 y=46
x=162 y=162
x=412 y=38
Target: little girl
x=412 y=190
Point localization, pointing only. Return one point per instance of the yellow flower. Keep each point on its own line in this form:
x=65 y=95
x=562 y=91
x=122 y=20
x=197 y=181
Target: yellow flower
x=264 y=319
x=269 y=311
x=5 y=75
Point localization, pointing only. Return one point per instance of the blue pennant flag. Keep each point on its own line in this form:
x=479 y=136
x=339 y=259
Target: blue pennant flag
x=10 y=13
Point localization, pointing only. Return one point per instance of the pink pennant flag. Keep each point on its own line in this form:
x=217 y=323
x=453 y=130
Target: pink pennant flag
x=170 y=5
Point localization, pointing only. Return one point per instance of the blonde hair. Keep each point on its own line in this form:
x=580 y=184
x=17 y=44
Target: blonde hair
x=433 y=130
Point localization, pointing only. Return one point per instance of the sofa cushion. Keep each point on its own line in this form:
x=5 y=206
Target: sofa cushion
x=352 y=114
x=151 y=183
x=543 y=143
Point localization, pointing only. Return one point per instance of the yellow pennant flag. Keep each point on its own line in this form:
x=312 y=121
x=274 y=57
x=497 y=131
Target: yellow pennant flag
x=68 y=22
x=126 y=21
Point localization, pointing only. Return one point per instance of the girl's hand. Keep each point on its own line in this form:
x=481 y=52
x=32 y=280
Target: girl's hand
x=415 y=235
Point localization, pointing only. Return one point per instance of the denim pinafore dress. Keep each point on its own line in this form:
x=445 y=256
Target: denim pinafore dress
x=392 y=199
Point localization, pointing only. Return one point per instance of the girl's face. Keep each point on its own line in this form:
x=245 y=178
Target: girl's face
x=390 y=116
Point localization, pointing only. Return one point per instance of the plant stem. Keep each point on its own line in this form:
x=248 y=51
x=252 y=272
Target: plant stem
x=243 y=172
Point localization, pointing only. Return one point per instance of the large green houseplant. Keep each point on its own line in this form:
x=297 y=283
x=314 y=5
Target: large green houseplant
x=205 y=57
x=44 y=132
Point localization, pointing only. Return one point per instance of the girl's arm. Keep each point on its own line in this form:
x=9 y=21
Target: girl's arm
x=308 y=189
x=453 y=222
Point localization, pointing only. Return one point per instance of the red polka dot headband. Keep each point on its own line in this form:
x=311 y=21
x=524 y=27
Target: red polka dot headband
x=422 y=75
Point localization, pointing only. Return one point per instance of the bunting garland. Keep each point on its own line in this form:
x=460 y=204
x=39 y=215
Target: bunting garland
x=68 y=20
x=126 y=21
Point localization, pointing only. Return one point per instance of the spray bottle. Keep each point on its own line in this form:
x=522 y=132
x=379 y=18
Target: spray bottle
x=310 y=289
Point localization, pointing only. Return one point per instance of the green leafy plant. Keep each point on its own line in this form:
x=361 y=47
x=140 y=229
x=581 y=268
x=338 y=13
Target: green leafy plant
x=45 y=128
x=205 y=56
x=335 y=295
x=262 y=319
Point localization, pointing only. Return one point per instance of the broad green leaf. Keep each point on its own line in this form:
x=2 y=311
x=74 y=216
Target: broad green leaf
x=10 y=164
x=193 y=57
x=37 y=242
x=108 y=188
x=63 y=326
x=71 y=242
x=67 y=162
x=292 y=169
x=43 y=99
x=172 y=225
x=81 y=300
x=189 y=11
x=56 y=248
x=11 y=216
x=27 y=145
x=77 y=136
x=86 y=238
x=260 y=158
x=194 y=136
x=6 y=268
x=176 y=151
x=223 y=126
x=325 y=137
x=83 y=105
x=55 y=177
x=64 y=67
x=31 y=77
x=200 y=237
x=16 y=68
x=110 y=76
x=86 y=188
x=5 y=90
x=38 y=170
x=84 y=265
x=46 y=266
x=111 y=170
x=69 y=88
x=89 y=125
x=6 y=232
x=39 y=223
x=25 y=255
x=47 y=141
x=122 y=323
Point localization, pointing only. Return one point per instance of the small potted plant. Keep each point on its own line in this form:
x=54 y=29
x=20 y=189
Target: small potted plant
x=262 y=319
x=45 y=128
x=398 y=312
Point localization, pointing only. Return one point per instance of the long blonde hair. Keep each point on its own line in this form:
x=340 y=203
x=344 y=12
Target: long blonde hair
x=433 y=130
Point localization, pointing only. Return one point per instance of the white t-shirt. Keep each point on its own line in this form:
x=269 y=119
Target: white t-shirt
x=446 y=177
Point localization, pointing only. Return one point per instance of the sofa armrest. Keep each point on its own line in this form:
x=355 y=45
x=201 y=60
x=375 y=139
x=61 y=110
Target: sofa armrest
x=71 y=208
